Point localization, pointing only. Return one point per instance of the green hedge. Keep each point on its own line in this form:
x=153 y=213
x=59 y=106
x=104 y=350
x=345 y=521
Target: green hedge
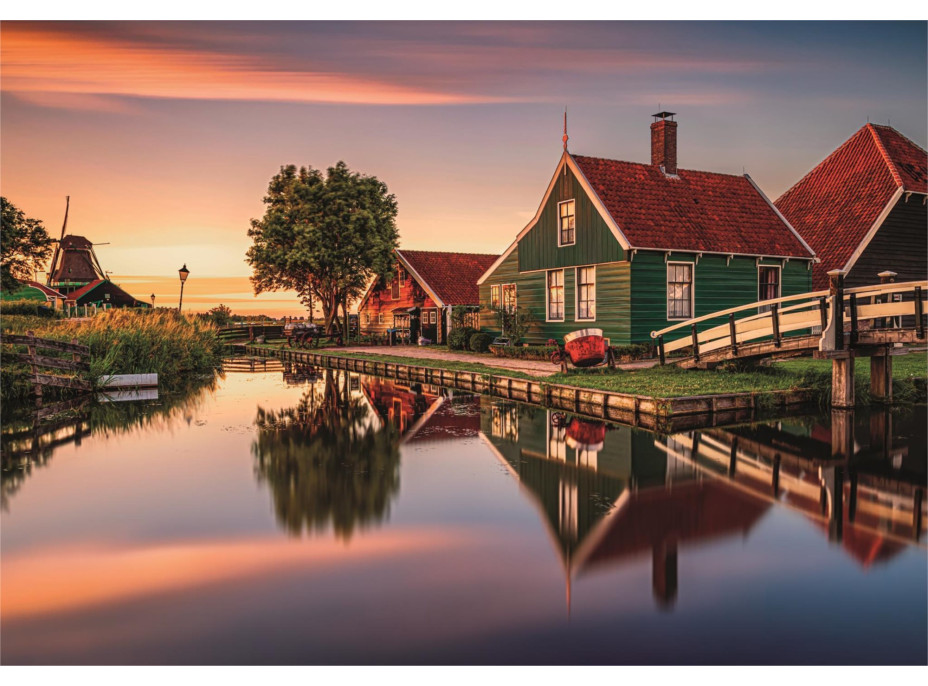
x=29 y=308
x=524 y=352
x=458 y=339
x=480 y=342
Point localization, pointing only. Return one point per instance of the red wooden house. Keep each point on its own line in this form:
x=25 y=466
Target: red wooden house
x=424 y=288
x=863 y=208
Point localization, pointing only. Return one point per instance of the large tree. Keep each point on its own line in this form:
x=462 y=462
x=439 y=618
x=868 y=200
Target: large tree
x=24 y=246
x=324 y=236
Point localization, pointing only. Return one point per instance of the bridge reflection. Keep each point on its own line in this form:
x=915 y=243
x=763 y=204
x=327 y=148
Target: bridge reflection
x=610 y=494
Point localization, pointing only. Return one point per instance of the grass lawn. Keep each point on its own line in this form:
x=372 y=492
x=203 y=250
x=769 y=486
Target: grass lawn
x=670 y=382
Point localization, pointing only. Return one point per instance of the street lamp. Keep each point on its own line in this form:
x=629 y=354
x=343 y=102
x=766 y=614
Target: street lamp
x=184 y=273
x=152 y=301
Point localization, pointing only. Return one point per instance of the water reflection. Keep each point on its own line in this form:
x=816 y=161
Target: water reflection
x=609 y=494
x=28 y=440
x=329 y=460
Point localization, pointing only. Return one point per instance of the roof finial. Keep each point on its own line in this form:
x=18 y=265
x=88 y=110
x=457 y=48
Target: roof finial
x=565 y=130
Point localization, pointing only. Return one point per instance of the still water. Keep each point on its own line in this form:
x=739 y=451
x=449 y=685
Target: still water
x=300 y=517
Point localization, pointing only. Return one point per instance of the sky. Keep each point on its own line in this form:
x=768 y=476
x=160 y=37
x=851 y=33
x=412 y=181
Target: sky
x=165 y=134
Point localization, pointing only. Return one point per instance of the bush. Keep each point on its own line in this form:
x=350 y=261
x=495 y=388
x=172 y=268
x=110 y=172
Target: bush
x=629 y=353
x=220 y=315
x=459 y=338
x=480 y=342
x=523 y=352
x=33 y=308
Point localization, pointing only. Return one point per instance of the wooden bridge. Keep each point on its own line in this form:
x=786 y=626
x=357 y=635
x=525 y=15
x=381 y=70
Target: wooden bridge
x=838 y=324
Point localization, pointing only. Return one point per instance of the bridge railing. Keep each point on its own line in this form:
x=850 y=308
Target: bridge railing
x=813 y=311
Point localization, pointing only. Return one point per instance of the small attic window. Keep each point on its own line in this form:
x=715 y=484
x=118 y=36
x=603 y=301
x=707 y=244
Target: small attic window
x=566 y=222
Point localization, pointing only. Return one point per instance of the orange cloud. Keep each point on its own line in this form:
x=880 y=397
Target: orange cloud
x=63 y=579
x=36 y=60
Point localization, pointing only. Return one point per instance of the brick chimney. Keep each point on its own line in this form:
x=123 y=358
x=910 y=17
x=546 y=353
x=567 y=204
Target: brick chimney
x=664 y=142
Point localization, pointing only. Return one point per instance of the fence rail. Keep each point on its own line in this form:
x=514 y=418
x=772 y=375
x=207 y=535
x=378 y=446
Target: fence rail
x=38 y=363
x=873 y=312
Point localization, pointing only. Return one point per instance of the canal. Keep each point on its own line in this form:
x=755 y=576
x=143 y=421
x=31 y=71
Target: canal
x=302 y=516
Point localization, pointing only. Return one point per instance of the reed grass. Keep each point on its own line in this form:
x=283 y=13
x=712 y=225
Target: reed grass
x=128 y=342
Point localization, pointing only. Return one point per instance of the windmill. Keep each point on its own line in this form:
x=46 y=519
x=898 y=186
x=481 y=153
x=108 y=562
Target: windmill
x=74 y=262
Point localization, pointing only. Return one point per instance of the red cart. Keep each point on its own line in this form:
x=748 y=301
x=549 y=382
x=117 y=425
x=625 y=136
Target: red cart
x=584 y=348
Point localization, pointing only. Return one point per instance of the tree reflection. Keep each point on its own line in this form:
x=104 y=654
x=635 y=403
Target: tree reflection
x=328 y=461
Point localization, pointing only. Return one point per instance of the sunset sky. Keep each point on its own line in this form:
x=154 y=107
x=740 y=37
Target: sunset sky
x=166 y=134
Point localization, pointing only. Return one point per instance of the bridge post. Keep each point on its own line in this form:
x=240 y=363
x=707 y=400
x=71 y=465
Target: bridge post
x=881 y=375
x=842 y=434
x=836 y=293
x=919 y=313
x=842 y=380
x=885 y=277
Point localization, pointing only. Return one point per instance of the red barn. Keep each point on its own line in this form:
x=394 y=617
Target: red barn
x=863 y=208
x=424 y=288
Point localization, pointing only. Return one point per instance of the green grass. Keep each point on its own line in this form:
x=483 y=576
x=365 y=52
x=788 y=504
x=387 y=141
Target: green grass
x=670 y=382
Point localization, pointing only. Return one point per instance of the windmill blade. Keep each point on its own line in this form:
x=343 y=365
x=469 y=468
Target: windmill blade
x=64 y=226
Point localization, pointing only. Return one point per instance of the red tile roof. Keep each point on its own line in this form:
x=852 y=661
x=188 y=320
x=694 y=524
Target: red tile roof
x=452 y=276
x=83 y=290
x=835 y=205
x=694 y=210
x=48 y=292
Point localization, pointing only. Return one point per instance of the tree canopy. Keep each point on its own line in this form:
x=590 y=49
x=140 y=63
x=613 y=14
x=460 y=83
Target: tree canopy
x=24 y=246
x=324 y=236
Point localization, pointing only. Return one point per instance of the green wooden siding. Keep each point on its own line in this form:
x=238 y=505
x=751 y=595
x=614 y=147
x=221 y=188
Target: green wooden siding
x=717 y=286
x=612 y=300
x=595 y=243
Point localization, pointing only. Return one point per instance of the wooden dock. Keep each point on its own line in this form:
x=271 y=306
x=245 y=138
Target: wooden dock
x=656 y=414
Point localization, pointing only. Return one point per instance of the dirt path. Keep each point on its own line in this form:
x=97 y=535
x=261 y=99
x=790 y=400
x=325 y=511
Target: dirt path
x=531 y=367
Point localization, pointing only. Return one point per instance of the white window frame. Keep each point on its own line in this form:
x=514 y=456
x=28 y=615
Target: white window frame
x=577 y=317
x=515 y=300
x=499 y=296
x=548 y=317
x=380 y=318
x=402 y=275
x=779 y=268
x=560 y=243
x=692 y=266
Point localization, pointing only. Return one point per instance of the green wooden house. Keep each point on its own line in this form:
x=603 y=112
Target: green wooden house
x=630 y=248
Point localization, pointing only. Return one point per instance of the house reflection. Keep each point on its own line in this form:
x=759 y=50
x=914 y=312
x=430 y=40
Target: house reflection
x=610 y=494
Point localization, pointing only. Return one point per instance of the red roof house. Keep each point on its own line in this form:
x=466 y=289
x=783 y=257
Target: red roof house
x=862 y=209
x=425 y=286
x=632 y=247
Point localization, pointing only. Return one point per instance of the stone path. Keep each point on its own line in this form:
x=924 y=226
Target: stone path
x=531 y=367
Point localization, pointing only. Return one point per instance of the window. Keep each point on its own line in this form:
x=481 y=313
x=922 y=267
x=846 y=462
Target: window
x=402 y=274
x=367 y=317
x=768 y=285
x=395 y=288
x=433 y=317
x=556 y=295
x=679 y=290
x=586 y=293
x=380 y=318
x=509 y=297
x=494 y=297
x=566 y=223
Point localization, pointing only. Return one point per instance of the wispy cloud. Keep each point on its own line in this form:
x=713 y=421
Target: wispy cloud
x=41 y=61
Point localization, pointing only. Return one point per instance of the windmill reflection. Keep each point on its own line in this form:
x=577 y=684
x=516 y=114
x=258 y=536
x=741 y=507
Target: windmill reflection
x=610 y=494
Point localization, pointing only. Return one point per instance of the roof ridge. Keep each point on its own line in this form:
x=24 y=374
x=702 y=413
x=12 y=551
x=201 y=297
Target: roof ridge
x=448 y=252
x=823 y=161
x=649 y=165
x=897 y=177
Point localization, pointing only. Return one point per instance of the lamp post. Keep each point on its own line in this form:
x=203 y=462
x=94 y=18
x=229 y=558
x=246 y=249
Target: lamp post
x=152 y=301
x=184 y=273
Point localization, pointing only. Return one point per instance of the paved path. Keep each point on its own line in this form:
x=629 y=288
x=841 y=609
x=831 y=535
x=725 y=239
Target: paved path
x=531 y=367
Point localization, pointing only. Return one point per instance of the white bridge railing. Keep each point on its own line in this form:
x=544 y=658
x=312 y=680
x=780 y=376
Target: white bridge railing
x=822 y=313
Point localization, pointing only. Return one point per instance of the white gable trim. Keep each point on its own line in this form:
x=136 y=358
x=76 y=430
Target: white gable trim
x=881 y=217
x=415 y=274
x=587 y=188
x=780 y=215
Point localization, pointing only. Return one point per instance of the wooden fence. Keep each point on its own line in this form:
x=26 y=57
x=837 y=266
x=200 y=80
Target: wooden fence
x=75 y=360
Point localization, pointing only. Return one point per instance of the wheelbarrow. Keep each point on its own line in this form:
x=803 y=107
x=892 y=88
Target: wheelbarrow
x=584 y=348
